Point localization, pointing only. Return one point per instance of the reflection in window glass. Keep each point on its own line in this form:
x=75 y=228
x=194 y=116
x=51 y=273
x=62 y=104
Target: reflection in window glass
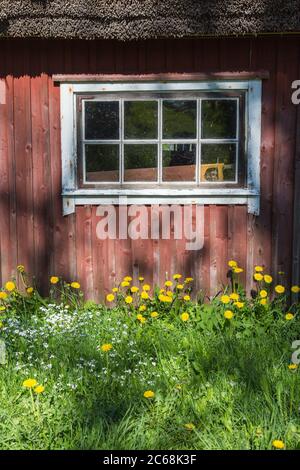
x=102 y=162
x=218 y=162
x=140 y=162
x=179 y=119
x=140 y=119
x=179 y=162
x=219 y=119
x=102 y=120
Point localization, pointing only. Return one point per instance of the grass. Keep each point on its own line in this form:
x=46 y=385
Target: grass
x=227 y=379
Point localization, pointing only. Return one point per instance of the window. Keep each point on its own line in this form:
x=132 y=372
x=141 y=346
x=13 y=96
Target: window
x=155 y=142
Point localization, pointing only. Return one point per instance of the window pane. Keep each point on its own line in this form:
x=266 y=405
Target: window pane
x=219 y=119
x=102 y=162
x=179 y=119
x=218 y=162
x=179 y=162
x=140 y=162
x=102 y=120
x=140 y=119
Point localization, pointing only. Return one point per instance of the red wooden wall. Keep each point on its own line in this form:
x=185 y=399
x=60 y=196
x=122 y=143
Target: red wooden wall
x=33 y=230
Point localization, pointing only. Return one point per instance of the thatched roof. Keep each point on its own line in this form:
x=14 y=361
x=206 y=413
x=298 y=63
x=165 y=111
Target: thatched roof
x=143 y=19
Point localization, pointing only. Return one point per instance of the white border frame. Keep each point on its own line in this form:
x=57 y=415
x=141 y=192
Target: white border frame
x=73 y=196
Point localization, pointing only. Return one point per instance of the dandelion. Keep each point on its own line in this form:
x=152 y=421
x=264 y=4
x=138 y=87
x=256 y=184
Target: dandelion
x=259 y=269
x=75 y=285
x=268 y=279
x=177 y=276
x=168 y=283
x=225 y=299
x=134 y=289
x=106 y=347
x=128 y=299
x=279 y=289
x=232 y=264
x=141 y=279
x=179 y=286
x=184 y=316
x=234 y=296
x=127 y=279
x=263 y=294
x=228 y=314
x=142 y=308
x=3 y=295
x=20 y=268
x=293 y=366
x=124 y=284
x=169 y=293
x=149 y=394
x=141 y=318
x=258 y=277
x=289 y=316
x=146 y=287
x=29 y=290
x=153 y=314
x=29 y=383
x=39 y=389
x=188 y=279
x=115 y=289
x=295 y=289
x=263 y=302
x=110 y=297
x=144 y=295
x=10 y=286
x=238 y=270
x=239 y=304
x=278 y=444
x=187 y=298
x=54 y=279
x=189 y=426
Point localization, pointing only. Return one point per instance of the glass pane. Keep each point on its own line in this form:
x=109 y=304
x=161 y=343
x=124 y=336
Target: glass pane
x=179 y=162
x=219 y=119
x=179 y=119
x=140 y=119
x=102 y=162
x=218 y=162
x=102 y=120
x=140 y=162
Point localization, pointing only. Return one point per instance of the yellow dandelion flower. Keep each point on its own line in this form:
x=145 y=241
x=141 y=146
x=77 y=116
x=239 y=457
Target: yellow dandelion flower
x=239 y=304
x=295 y=289
x=232 y=264
x=263 y=301
x=238 y=270
x=149 y=394
x=168 y=283
x=279 y=289
x=289 y=316
x=258 y=277
x=54 y=279
x=144 y=295
x=179 y=286
x=39 y=389
x=127 y=279
x=141 y=319
x=228 y=314
x=21 y=268
x=263 y=294
x=184 y=316
x=268 y=279
x=141 y=279
x=3 y=295
x=10 y=286
x=142 y=308
x=188 y=279
x=128 y=299
x=115 y=289
x=177 y=276
x=189 y=426
x=169 y=293
x=225 y=299
x=134 y=289
x=124 y=284
x=234 y=296
x=146 y=287
x=29 y=290
x=106 y=347
x=110 y=297
x=75 y=285
x=153 y=314
x=187 y=298
x=29 y=383
x=259 y=269
x=293 y=366
x=278 y=444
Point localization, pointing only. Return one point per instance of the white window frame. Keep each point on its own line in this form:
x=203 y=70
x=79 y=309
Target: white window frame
x=72 y=195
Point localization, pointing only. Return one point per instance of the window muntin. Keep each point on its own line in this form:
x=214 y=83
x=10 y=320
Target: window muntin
x=159 y=139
